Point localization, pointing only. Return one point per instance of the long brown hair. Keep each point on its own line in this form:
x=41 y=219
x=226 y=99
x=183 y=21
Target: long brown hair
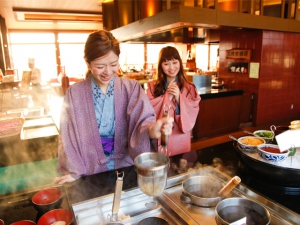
x=166 y=54
x=98 y=44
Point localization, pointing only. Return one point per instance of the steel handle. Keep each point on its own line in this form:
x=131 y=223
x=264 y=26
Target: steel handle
x=117 y=196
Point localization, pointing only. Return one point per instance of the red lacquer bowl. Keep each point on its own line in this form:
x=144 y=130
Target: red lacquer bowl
x=56 y=215
x=23 y=222
x=47 y=199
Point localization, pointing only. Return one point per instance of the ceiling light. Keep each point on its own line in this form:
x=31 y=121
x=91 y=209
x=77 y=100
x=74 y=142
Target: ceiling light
x=33 y=15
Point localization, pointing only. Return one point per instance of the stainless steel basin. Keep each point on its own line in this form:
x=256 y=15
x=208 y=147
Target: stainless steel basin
x=135 y=205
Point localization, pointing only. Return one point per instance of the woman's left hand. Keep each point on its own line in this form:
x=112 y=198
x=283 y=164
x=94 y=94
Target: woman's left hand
x=63 y=179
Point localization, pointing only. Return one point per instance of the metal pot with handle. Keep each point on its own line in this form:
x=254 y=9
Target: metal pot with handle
x=206 y=191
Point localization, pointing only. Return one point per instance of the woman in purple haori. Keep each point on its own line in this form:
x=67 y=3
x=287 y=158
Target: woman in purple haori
x=106 y=121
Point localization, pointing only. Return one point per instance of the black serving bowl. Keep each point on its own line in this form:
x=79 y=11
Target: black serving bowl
x=47 y=199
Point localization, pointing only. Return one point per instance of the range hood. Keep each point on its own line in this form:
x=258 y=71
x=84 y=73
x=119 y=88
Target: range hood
x=171 y=25
x=180 y=24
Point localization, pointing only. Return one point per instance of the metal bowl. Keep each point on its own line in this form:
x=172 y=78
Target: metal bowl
x=47 y=199
x=270 y=156
x=233 y=209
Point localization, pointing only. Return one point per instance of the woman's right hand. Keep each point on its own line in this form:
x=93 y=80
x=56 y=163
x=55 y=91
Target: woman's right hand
x=63 y=179
x=162 y=126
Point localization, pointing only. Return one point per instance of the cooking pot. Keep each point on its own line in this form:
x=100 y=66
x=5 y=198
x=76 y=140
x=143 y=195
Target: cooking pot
x=206 y=191
x=231 y=210
x=269 y=172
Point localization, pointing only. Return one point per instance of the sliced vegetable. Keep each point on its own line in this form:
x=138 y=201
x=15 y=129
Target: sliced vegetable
x=264 y=134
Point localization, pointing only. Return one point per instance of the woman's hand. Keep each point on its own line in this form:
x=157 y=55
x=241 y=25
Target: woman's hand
x=63 y=179
x=162 y=126
x=173 y=91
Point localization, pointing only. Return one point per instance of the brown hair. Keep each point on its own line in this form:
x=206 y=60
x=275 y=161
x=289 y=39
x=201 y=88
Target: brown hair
x=98 y=44
x=166 y=54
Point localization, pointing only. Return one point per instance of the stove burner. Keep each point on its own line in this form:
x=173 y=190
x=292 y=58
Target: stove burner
x=153 y=220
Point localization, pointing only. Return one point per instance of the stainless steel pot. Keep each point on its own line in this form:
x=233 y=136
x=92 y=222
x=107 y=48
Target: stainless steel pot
x=231 y=210
x=152 y=169
x=201 y=191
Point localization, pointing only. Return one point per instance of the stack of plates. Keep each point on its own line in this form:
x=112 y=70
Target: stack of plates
x=295 y=125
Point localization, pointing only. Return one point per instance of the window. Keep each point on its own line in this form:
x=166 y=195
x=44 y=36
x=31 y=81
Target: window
x=39 y=46
x=71 y=46
x=42 y=47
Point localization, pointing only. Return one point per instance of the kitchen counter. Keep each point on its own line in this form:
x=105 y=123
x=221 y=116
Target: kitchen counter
x=218 y=93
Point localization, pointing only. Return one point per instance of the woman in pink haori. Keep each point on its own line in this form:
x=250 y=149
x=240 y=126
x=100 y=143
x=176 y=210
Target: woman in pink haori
x=172 y=90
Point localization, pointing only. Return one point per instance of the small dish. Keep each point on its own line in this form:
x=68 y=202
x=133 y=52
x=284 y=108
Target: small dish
x=272 y=152
x=47 y=199
x=249 y=143
x=267 y=135
x=294 y=127
x=56 y=215
x=295 y=122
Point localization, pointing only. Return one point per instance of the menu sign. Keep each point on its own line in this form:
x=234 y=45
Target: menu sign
x=238 y=54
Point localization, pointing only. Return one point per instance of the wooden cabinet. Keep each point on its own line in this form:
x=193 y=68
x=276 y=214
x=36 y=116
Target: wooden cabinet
x=221 y=115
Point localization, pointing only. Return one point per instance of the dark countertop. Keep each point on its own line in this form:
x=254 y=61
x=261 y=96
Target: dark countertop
x=222 y=157
x=218 y=93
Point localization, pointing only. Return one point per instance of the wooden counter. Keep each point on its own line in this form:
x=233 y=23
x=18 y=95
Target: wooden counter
x=221 y=111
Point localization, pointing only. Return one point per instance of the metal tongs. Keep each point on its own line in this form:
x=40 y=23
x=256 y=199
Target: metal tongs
x=165 y=138
x=117 y=197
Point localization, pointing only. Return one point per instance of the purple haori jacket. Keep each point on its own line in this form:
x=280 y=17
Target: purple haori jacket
x=80 y=150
